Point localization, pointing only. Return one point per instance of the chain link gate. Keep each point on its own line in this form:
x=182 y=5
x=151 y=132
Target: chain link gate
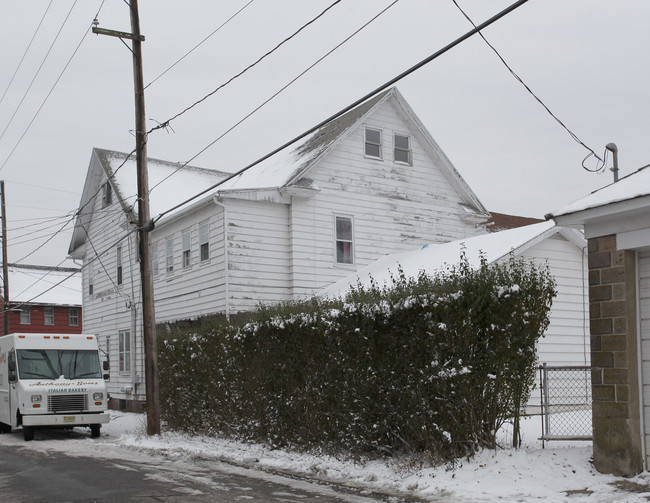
x=565 y=403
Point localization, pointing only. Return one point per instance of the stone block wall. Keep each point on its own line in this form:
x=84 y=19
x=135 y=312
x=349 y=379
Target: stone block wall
x=614 y=378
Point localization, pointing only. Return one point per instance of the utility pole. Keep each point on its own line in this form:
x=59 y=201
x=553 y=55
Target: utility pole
x=144 y=223
x=5 y=266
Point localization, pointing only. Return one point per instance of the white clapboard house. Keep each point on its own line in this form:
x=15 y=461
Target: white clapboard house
x=370 y=183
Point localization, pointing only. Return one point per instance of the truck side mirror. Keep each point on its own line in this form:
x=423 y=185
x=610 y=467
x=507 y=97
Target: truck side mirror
x=106 y=365
x=107 y=377
x=11 y=366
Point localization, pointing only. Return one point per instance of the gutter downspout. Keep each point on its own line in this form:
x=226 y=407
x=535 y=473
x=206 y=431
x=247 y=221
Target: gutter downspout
x=226 y=264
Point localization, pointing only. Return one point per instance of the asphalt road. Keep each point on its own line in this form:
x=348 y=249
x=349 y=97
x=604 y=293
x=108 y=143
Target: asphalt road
x=32 y=472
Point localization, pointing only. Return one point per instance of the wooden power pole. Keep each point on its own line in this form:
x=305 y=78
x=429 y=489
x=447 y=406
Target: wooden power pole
x=5 y=266
x=144 y=219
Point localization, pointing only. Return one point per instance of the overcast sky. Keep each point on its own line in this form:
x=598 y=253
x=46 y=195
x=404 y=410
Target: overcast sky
x=586 y=59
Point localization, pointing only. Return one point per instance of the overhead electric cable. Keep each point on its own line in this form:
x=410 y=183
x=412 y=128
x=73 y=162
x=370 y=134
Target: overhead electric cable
x=50 y=92
x=256 y=109
x=39 y=69
x=381 y=88
x=520 y=80
x=166 y=123
x=200 y=43
x=26 y=51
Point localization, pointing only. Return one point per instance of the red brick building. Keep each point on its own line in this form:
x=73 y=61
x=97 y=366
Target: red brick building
x=43 y=299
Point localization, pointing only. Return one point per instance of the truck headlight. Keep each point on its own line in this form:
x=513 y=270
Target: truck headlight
x=37 y=398
x=97 y=397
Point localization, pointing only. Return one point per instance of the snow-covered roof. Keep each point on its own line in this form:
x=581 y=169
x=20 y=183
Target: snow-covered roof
x=169 y=183
x=44 y=285
x=494 y=246
x=632 y=186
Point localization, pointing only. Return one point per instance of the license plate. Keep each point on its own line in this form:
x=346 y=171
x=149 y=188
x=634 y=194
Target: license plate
x=68 y=419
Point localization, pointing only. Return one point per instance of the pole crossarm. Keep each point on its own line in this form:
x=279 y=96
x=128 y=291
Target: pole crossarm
x=118 y=34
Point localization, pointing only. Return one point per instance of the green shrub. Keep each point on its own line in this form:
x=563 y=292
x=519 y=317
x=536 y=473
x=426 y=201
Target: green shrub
x=433 y=364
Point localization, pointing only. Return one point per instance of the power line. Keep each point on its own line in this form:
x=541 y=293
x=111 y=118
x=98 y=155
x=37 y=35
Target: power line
x=26 y=51
x=381 y=88
x=357 y=31
x=520 y=80
x=38 y=70
x=51 y=90
x=200 y=43
x=166 y=123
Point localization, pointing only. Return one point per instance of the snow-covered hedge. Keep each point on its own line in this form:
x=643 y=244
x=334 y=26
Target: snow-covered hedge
x=433 y=364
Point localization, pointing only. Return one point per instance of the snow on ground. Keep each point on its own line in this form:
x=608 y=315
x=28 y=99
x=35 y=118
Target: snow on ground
x=561 y=472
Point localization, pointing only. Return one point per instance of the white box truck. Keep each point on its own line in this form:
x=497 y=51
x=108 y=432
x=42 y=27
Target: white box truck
x=51 y=380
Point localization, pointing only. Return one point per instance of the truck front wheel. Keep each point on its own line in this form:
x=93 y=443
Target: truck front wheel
x=28 y=433
x=95 y=430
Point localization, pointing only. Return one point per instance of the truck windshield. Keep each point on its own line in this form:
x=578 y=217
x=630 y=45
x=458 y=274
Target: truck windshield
x=52 y=364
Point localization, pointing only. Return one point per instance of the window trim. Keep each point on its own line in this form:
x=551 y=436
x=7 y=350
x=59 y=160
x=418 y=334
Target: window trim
x=48 y=312
x=186 y=248
x=73 y=320
x=408 y=151
x=337 y=240
x=124 y=353
x=366 y=143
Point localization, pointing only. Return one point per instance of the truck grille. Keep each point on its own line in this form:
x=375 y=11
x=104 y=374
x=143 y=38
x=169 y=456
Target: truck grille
x=67 y=403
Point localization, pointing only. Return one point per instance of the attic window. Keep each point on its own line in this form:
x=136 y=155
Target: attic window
x=373 y=143
x=402 y=148
x=107 y=195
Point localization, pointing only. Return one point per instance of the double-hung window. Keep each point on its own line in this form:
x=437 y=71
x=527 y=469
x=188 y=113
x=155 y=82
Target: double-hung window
x=344 y=242
x=402 y=148
x=373 y=143
x=124 y=350
x=48 y=315
x=107 y=194
x=73 y=317
x=169 y=254
x=204 y=240
x=25 y=315
x=91 y=277
x=186 y=239
x=118 y=261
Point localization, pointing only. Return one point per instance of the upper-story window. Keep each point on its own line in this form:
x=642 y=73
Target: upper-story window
x=91 y=278
x=169 y=254
x=204 y=240
x=118 y=261
x=25 y=315
x=48 y=315
x=373 y=143
x=107 y=194
x=344 y=242
x=186 y=239
x=155 y=259
x=402 y=148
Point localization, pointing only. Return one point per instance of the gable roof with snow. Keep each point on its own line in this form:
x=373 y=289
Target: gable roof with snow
x=493 y=246
x=54 y=286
